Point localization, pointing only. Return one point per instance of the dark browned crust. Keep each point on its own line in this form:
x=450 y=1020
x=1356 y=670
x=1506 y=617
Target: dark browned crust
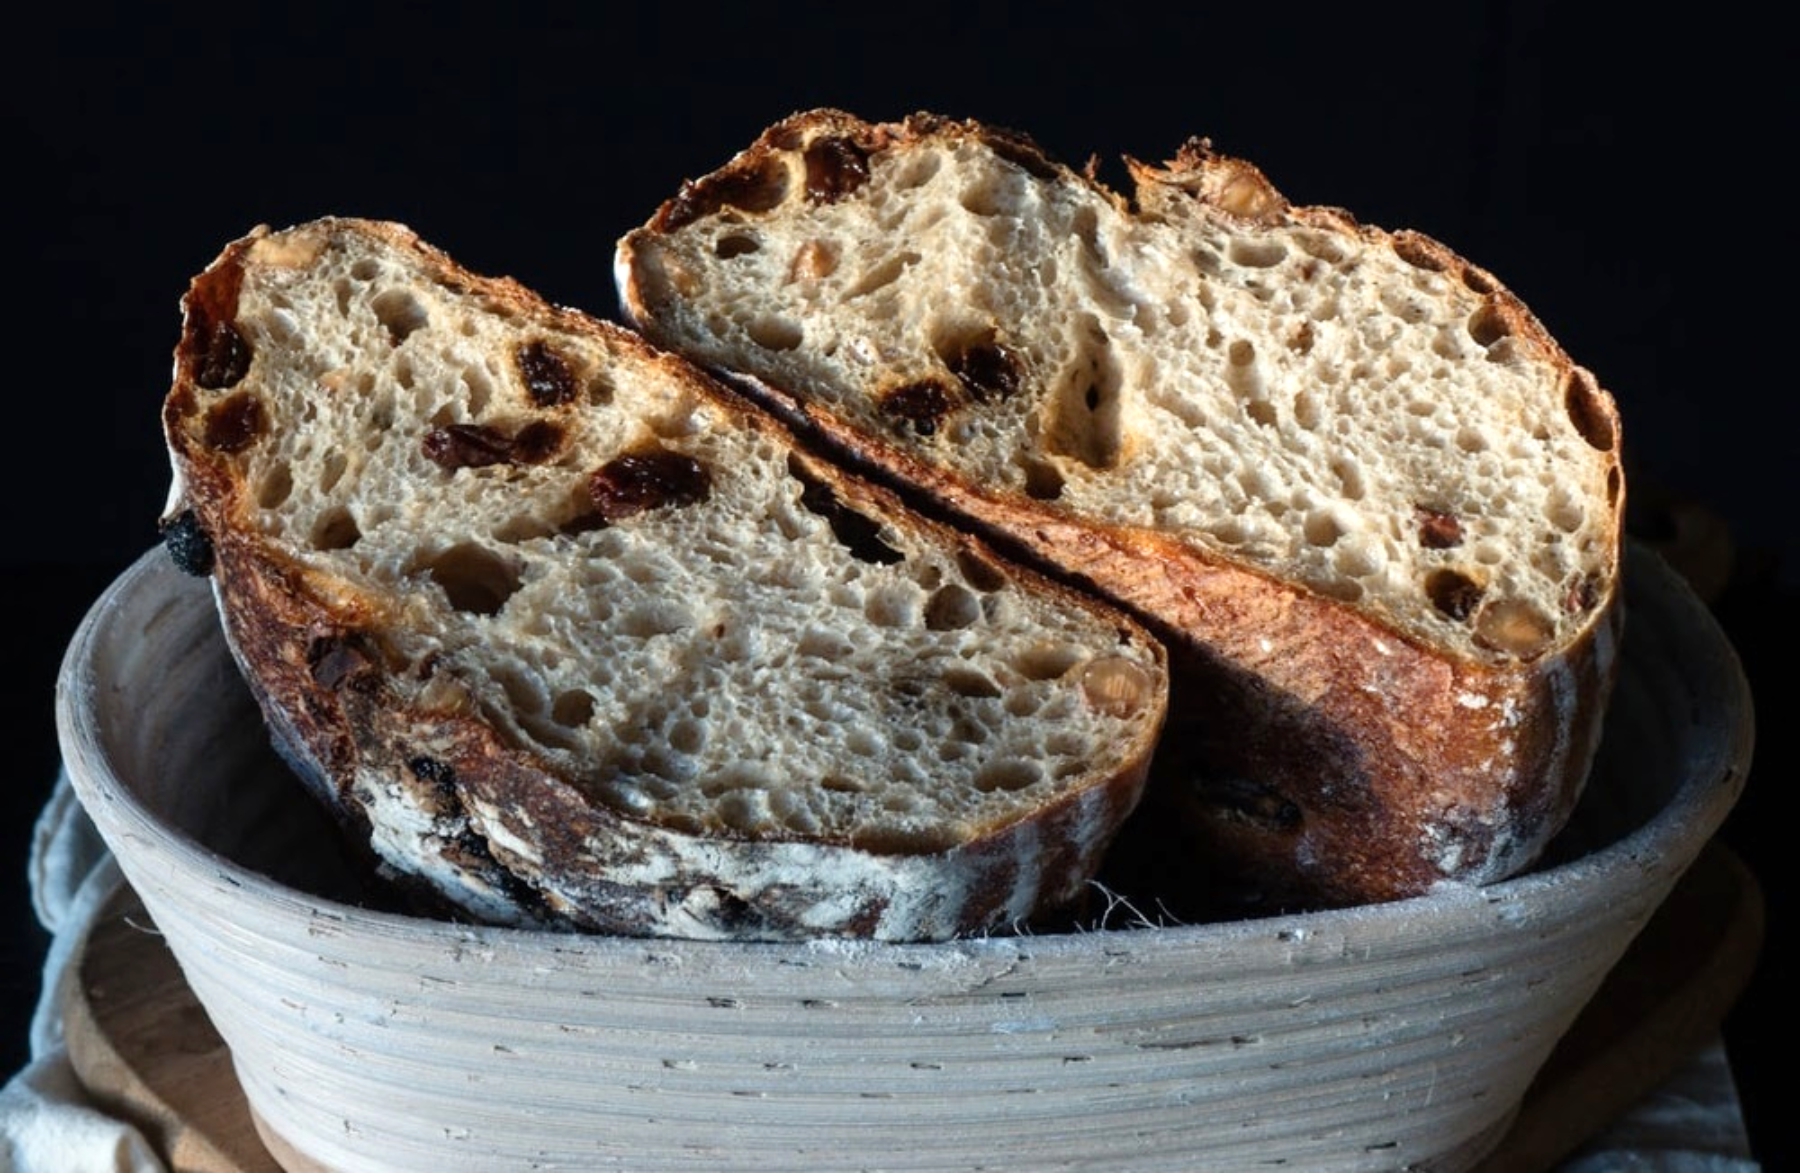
x=315 y=658
x=1308 y=777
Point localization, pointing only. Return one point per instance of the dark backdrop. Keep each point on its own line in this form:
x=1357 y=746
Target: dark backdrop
x=1619 y=173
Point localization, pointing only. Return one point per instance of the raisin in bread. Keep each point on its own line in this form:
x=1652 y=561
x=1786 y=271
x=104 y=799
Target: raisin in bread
x=1371 y=504
x=573 y=636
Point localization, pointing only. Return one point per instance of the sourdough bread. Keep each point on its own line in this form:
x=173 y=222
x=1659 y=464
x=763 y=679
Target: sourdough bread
x=1368 y=500
x=570 y=635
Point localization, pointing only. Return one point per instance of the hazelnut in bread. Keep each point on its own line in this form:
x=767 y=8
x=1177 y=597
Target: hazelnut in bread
x=570 y=635
x=1371 y=504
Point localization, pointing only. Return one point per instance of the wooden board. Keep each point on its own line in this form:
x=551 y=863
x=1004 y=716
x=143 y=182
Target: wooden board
x=143 y=1046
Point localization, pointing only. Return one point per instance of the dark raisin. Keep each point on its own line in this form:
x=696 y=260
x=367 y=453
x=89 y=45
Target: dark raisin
x=537 y=442
x=835 y=167
x=858 y=534
x=223 y=357
x=1582 y=595
x=640 y=481
x=234 y=424
x=335 y=660
x=1438 y=529
x=549 y=381
x=433 y=771
x=988 y=371
x=755 y=185
x=472 y=446
x=923 y=404
x=188 y=545
x=1453 y=593
x=466 y=446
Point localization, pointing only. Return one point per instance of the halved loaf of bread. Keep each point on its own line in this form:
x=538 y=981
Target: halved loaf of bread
x=1372 y=505
x=571 y=635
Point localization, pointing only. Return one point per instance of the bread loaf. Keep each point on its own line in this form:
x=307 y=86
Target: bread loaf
x=1370 y=503
x=570 y=635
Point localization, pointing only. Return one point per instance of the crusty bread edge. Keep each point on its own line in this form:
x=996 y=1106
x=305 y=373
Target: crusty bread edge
x=1466 y=769
x=496 y=829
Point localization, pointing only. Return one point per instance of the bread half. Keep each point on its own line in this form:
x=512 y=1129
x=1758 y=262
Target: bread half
x=570 y=635
x=1371 y=504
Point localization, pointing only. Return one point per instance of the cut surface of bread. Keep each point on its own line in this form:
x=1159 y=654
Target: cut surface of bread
x=1373 y=505
x=574 y=636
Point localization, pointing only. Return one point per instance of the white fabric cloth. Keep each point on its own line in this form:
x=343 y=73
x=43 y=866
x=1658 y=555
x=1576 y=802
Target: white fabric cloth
x=46 y=1119
x=48 y=1123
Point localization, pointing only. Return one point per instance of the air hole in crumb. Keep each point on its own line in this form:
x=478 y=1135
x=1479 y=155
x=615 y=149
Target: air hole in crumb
x=1470 y=440
x=1009 y=774
x=813 y=261
x=981 y=574
x=687 y=737
x=332 y=471
x=951 y=607
x=1047 y=662
x=882 y=275
x=736 y=245
x=1487 y=325
x=968 y=682
x=1350 y=478
x=398 y=312
x=276 y=485
x=823 y=644
x=1453 y=593
x=1419 y=252
x=916 y=170
x=775 y=333
x=1115 y=686
x=839 y=785
x=335 y=529
x=1615 y=481
x=1513 y=626
x=481 y=389
x=1322 y=528
x=1564 y=510
x=573 y=708
x=891 y=608
x=1581 y=398
x=599 y=390
x=1262 y=411
x=1085 y=416
x=1476 y=280
x=474 y=578
x=655 y=619
x=1306 y=410
x=1257 y=254
x=365 y=269
x=523 y=528
x=1043 y=480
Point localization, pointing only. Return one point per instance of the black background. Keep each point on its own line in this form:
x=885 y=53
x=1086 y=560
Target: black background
x=1621 y=173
